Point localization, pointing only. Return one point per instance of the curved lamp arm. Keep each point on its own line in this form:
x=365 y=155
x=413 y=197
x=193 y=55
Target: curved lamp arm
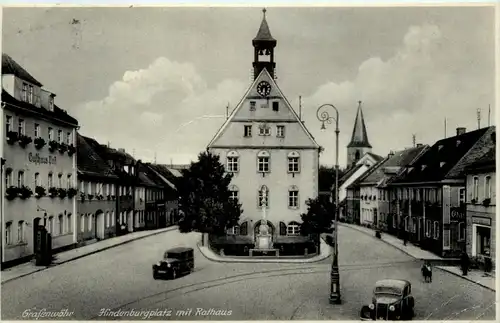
x=323 y=116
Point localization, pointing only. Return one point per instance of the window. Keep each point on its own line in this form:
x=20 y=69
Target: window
x=82 y=223
x=8 y=179
x=50 y=182
x=263 y=160
x=37 y=179
x=475 y=189
x=461 y=231
x=280 y=131
x=293 y=162
x=8 y=233
x=90 y=218
x=247 y=131
x=276 y=106
x=51 y=103
x=69 y=223
x=30 y=94
x=487 y=187
x=436 y=230
x=264 y=130
x=406 y=223
x=61 y=224
x=68 y=138
x=37 y=130
x=89 y=188
x=293 y=197
x=263 y=202
x=232 y=162
x=461 y=195
x=50 y=229
x=252 y=105
x=233 y=231
x=20 y=231
x=51 y=134
x=68 y=182
x=20 y=178
x=8 y=124
x=428 y=228
x=24 y=92
x=233 y=191
x=59 y=136
x=293 y=229
x=107 y=219
x=20 y=127
x=59 y=181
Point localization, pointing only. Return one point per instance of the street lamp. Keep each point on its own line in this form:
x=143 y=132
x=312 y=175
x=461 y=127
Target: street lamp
x=323 y=116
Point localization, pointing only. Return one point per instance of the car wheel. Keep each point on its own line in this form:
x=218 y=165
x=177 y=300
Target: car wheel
x=174 y=274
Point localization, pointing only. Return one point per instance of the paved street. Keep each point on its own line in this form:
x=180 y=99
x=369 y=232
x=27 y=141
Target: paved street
x=120 y=278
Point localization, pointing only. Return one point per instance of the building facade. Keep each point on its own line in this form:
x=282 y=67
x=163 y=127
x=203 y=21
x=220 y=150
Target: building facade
x=39 y=166
x=171 y=197
x=267 y=148
x=96 y=199
x=481 y=207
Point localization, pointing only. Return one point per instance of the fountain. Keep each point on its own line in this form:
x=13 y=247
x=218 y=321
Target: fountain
x=263 y=243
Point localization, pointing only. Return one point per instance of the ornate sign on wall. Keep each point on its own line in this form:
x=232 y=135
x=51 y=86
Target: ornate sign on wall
x=37 y=159
x=457 y=214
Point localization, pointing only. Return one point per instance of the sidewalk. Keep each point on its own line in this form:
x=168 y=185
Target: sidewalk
x=73 y=254
x=475 y=276
x=325 y=251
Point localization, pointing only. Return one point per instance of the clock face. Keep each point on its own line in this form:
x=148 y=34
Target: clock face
x=264 y=88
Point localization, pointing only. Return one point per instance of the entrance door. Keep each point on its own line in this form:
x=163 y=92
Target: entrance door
x=99 y=225
x=36 y=227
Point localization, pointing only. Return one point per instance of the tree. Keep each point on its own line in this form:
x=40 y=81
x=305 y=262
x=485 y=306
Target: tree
x=319 y=217
x=204 y=197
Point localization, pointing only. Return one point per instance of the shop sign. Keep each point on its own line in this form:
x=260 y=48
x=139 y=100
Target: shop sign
x=457 y=214
x=481 y=221
x=37 y=159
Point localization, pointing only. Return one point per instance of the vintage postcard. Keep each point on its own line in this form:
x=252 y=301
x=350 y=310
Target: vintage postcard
x=248 y=163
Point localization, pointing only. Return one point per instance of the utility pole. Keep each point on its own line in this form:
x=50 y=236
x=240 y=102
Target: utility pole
x=155 y=158
x=489 y=114
x=414 y=140
x=444 y=127
x=300 y=108
x=478 y=118
x=227 y=111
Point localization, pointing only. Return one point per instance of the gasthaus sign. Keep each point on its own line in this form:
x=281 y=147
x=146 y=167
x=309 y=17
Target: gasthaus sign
x=37 y=159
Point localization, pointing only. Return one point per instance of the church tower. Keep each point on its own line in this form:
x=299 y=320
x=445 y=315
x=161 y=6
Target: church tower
x=264 y=45
x=359 y=144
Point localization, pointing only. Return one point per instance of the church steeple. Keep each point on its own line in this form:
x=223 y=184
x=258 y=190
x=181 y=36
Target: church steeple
x=359 y=144
x=264 y=45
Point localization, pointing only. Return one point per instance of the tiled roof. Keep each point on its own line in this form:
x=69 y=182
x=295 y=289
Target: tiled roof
x=58 y=113
x=482 y=146
x=89 y=162
x=437 y=161
x=349 y=173
x=161 y=176
x=376 y=157
x=399 y=159
x=10 y=66
x=488 y=160
x=264 y=34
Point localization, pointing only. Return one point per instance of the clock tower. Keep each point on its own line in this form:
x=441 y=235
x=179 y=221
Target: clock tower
x=264 y=45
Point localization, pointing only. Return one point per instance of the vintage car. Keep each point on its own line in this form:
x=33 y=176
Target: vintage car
x=175 y=262
x=391 y=300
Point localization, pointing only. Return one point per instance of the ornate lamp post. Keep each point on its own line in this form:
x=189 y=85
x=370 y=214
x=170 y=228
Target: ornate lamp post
x=323 y=116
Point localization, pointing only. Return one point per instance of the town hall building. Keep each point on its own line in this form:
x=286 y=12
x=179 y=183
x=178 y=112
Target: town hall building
x=271 y=154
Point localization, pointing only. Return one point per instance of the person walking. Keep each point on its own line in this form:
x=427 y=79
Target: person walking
x=464 y=262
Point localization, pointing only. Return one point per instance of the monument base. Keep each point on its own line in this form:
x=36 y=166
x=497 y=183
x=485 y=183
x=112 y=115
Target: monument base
x=264 y=252
x=264 y=242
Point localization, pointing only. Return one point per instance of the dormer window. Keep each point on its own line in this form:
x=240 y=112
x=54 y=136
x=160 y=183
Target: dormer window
x=24 y=93
x=30 y=94
x=51 y=103
x=423 y=167
x=441 y=164
x=440 y=147
x=458 y=143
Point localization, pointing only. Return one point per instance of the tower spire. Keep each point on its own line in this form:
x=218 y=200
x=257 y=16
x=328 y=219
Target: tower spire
x=264 y=45
x=359 y=134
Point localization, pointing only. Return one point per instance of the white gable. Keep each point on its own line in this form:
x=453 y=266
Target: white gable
x=274 y=113
x=357 y=174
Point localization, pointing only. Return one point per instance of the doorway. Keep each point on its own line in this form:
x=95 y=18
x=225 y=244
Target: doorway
x=36 y=228
x=99 y=225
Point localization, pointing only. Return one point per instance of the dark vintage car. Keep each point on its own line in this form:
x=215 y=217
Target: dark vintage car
x=391 y=300
x=175 y=262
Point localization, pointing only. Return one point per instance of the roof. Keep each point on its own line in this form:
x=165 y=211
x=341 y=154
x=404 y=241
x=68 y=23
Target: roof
x=375 y=156
x=159 y=174
x=399 y=283
x=399 y=159
x=264 y=34
x=10 y=66
x=89 y=162
x=349 y=173
x=435 y=163
x=359 y=134
x=487 y=161
x=57 y=114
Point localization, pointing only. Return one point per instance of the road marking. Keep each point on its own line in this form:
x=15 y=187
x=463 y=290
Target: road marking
x=442 y=305
x=486 y=310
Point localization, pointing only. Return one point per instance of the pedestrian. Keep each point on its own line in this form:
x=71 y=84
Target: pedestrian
x=405 y=237
x=464 y=262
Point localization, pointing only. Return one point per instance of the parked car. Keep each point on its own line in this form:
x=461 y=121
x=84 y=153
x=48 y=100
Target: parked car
x=391 y=300
x=175 y=262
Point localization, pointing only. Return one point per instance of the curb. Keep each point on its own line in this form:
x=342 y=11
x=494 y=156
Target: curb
x=260 y=260
x=466 y=278
x=90 y=253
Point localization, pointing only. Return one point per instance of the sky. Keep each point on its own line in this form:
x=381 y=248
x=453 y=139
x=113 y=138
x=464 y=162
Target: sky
x=157 y=81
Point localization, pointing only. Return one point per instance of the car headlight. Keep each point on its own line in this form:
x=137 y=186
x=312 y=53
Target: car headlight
x=371 y=306
x=158 y=264
x=391 y=308
x=168 y=265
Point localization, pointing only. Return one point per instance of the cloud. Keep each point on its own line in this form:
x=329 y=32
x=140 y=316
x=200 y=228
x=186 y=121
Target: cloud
x=169 y=110
x=410 y=92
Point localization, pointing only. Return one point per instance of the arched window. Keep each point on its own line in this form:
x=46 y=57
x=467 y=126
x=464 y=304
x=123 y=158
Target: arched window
x=475 y=190
x=357 y=155
x=244 y=228
x=60 y=223
x=37 y=179
x=8 y=177
x=82 y=222
x=293 y=197
x=232 y=165
x=263 y=196
x=293 y=162
x=282 y=229
x=20 y=232
x=8 y=233
x=50 y=229
x=50 y=180
x=293 y=229
x=234 y=192
x=20 y=178
x=69 y=223
x=263 y=162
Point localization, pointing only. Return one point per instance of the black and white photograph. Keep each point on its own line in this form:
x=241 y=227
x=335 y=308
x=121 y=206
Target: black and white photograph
x=258 y=162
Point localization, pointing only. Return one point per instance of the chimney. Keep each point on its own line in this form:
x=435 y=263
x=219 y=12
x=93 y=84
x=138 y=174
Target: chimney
x=419 y=145
x=391 y=153
x=122 y=150
x=460 y=131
